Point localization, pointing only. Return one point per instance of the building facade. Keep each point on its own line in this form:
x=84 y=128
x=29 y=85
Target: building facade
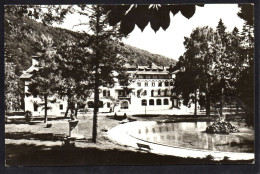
x=151 y=88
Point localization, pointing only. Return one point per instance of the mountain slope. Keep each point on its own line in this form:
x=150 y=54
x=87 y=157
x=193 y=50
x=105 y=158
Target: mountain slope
x=22 y=37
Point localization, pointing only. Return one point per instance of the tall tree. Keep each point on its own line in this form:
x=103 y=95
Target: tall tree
x=246 y=13
x=104 y=60
x=203 y=64
x=73 y=63
x=43 y=81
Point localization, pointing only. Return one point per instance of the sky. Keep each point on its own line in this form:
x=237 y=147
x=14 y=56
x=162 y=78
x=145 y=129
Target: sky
x=169 y=43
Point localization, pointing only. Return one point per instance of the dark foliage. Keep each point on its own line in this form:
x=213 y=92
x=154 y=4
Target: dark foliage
x=158 y=15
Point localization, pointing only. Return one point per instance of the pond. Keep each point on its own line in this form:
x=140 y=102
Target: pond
x=193 y=135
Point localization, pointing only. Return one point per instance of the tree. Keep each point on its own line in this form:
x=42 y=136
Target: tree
x=11 y=88
x=43 y=81
x=158 y=15
x=246 y=13
x=203 y=64
x=73 y=63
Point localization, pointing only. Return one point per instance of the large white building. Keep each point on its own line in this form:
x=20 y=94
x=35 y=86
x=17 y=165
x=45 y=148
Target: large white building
x=150 y=89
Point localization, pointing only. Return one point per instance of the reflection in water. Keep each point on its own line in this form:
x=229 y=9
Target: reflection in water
x=192 y=135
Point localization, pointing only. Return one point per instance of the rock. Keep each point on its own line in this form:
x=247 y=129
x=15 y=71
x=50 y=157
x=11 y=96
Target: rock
x=221 y=127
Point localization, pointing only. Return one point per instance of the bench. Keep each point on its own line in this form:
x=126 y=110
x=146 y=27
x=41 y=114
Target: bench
x=144 y=147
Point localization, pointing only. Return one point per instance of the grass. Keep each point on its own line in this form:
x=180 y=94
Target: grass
x=37 y=145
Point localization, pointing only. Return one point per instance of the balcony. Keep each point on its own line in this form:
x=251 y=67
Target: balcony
x=124 y=97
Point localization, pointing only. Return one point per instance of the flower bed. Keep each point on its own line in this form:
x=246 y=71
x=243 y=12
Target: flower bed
x=221 y=127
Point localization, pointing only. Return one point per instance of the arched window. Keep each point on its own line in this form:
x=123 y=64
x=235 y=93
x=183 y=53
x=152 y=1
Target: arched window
x=159 y=92
x=158 y=102
x=146 y=84
x=91 y=104
x=145 y=93
x=151 y=102
x=165 y=101
x=153 y=83
x=138 y=83
x=104 y=93
x=171 y=83
x=166 y=92
x=144 y=102
x=166 y=83
x=160 y=84
x=152 y=93
x=108 y=93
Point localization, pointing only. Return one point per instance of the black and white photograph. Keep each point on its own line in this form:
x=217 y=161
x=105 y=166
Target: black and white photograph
x=129 y=84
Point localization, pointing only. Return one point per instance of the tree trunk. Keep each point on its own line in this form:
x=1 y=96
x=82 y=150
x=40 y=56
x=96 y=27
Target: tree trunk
x=208 y=98
x=195 y=109
x=46 y=109
x=96 y=90
x=221 y=102
x=68 y=107
x=66 y=113
x=76 y=110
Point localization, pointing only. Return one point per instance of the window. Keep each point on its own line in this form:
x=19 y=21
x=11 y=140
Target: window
x=61 y=107
x=152 y=93
x=104 y=93
x=91 y=104
x=146 y=84
x=138 y=83
x=151 y=102
x=100 y=104
x=124 y=105
x=144 y=102
x=158 y=102
x=160 y=84
x=162 y=92
x=148 y=77
x=34 y=95
x=165 y=101
x=166 y=92
x=159 y=92
x=145 y=93
x=35 y=107
x=166 y=83
x=153 y=84
x=171 y=83
x=120 y=93
x=138 y=93
x=108 y=105
x=108 y=93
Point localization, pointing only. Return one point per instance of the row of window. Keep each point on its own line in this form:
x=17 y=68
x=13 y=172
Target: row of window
x=153 y=84
x=106 y=93
x=160 y=92
x=155 y=76
x=158 y=102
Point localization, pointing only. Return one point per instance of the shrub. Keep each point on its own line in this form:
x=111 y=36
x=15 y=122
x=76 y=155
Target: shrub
x=28 y=116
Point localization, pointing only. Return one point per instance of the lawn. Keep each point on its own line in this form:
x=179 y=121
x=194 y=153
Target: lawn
x=37 y=145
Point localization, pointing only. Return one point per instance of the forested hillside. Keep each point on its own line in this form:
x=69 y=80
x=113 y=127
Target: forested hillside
x=23 y=39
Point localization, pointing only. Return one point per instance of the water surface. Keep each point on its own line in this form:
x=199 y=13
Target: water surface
x=192 y=135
